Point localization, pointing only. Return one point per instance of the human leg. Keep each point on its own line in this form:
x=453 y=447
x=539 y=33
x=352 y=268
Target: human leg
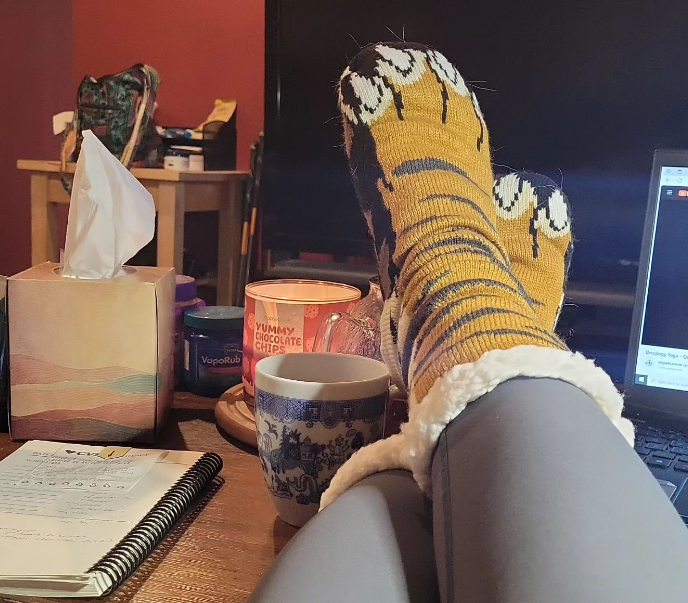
x=374 y=544
x=465 y=318
x=457 y=319
x=537 y=498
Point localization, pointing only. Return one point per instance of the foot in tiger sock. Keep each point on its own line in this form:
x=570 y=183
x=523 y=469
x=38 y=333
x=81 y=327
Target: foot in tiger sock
x=534 y=224
x=457 y=321
x=419 y=155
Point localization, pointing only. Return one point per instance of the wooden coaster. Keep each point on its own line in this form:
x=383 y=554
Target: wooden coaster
x=236 y=417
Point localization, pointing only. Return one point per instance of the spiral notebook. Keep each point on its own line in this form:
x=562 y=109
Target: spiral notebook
x=76 y=521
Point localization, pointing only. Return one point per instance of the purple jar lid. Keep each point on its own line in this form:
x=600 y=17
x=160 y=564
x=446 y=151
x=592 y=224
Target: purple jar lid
x=186 y=288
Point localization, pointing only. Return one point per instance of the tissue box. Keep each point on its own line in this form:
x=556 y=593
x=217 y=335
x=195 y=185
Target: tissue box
x=90 y=360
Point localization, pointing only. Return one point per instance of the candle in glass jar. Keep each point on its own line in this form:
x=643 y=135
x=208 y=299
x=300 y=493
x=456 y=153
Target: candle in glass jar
x=282 y=317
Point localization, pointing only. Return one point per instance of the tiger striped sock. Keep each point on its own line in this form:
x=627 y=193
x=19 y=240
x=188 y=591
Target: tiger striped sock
x=534 y=223
x=420 y=159
x=458 y=320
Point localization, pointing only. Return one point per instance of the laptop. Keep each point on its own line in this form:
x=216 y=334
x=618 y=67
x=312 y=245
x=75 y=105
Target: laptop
x=656 y=383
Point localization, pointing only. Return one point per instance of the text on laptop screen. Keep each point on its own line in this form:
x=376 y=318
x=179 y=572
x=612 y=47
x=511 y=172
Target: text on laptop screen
x=662 y=359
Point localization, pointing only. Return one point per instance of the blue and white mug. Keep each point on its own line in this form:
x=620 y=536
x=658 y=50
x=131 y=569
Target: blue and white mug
x=313 y=411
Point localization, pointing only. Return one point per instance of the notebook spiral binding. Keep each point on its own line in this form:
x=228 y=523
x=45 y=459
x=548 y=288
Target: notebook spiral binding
x=123 y=559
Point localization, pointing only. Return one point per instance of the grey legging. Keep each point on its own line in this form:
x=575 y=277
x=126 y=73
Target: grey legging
x=537 y=499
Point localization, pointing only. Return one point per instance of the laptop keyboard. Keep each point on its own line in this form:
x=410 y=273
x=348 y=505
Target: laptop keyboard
x=662 y=449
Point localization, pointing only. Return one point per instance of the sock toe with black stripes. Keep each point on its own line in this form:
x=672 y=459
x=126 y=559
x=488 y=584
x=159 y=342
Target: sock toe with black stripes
x=457 y=321
x=534 y=224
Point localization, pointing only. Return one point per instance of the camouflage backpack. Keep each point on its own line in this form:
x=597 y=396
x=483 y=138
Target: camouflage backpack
x=118 y=109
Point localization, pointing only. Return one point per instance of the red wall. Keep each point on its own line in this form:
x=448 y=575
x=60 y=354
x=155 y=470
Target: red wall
x=203 y=49
x=35 y=71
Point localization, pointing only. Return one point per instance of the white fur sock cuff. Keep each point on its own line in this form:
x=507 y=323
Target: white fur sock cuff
x=467 y=382
x=414 y=447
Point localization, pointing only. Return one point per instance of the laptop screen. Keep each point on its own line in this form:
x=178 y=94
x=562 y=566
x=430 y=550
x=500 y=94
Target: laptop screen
x=662 y=358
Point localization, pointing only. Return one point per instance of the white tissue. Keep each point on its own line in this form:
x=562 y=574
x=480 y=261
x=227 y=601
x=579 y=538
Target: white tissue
x=111 y=215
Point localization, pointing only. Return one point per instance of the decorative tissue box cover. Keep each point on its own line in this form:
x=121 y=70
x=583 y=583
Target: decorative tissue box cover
x=90 y=360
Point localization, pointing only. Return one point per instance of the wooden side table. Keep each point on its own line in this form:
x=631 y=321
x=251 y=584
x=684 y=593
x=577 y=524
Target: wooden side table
x=174 y=194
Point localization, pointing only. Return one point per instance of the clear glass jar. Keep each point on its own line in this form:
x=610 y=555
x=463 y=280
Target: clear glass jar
x=356 y=332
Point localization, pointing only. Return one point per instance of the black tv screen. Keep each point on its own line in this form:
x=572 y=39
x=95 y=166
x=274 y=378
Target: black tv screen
x=583 y=91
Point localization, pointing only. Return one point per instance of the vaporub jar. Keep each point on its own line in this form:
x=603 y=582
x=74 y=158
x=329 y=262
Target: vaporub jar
x=213 y=349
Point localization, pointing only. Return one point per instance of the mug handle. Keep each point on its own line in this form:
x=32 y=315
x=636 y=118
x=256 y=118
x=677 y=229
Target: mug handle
x=323 y=337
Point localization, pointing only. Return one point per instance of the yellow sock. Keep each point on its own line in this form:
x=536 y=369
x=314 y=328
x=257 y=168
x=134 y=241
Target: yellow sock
x=472 y=284
x=420 y=159
x=533 y=221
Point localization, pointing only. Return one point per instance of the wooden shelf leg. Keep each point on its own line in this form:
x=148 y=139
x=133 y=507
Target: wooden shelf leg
x=229 y=244
x=171 y=207
x=43 y=222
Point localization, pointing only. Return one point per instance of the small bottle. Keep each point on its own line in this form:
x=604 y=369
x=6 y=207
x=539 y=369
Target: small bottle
x=213 y=346
x=185 y=298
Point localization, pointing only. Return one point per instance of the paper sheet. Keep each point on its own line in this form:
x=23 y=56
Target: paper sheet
x=77 y=467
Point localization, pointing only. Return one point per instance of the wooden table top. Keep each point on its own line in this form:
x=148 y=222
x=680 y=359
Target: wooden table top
x=161 y=174
x=220 y=549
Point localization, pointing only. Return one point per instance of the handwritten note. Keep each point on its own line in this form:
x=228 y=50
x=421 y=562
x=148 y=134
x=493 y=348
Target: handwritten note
x=59 y=532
